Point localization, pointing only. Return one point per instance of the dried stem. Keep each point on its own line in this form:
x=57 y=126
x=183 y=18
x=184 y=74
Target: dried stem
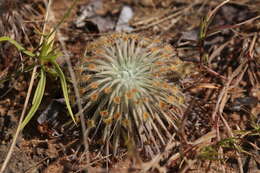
x=9 y=154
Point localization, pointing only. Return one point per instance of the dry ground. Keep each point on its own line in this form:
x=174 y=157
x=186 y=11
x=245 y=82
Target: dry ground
x=220 y=129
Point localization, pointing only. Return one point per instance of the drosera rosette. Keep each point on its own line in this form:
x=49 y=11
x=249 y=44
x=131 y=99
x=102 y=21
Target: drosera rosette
x=127 y=94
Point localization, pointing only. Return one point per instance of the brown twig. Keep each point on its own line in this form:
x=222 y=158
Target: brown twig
x=172 y=15
x=9 y=154
x=76 y=90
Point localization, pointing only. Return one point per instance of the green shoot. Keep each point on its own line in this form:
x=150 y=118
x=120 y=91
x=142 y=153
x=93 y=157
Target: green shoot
x=45 y=54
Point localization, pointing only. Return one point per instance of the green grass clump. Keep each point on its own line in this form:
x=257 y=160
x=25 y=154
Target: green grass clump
x=128 y=96
x=46 y=56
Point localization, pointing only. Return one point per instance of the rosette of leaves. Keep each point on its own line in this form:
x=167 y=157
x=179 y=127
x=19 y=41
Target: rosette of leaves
x=128 y=96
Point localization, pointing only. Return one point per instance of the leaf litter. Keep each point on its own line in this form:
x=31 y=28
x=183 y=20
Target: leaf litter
x=220 y=128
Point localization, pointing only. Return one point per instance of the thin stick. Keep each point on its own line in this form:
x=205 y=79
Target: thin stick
x=9 y=154
x=164 y=19
x=75 y=83
x=76 y=90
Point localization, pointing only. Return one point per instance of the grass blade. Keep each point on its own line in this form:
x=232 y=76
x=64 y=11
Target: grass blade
x=17 y=45
x=64 y=89
x=38 y=95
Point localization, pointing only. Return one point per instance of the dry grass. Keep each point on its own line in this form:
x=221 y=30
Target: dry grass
x=219 y=131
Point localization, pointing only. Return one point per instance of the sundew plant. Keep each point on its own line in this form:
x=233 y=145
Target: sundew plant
x=127 y=94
